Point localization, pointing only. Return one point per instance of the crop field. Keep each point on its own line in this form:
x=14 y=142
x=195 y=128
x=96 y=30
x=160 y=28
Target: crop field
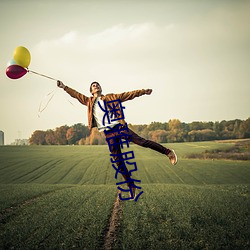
x=65 y=197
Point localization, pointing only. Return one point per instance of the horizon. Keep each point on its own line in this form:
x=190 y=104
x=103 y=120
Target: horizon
x=147 y=124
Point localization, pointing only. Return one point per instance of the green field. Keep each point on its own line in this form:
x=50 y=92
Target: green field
x=62 y=197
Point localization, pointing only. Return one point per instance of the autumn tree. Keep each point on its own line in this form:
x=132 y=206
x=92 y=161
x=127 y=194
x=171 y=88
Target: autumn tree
x=175 y=133
x=50 y=137
x=159 y=135
x=76 y=133
x=60 y=134
x=70 y=136
x=38 y=138
x=172 y=131
x=96 y=138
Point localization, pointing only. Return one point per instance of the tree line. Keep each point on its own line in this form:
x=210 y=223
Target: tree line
x=172 y=131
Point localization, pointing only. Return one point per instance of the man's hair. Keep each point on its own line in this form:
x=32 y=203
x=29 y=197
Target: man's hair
x=90 y=88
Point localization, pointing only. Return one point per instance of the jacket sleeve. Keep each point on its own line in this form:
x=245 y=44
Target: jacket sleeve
x=125 y=96
x=80 y=97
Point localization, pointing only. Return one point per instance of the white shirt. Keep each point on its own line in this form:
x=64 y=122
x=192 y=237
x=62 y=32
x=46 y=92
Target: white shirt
x=99 y=114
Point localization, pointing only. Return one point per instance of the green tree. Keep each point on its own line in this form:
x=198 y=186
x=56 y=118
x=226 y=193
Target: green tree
x=236 y=129
x=196 y=126
x=244 y=130
x=202 y=135
x=185 y=130
x=156 y=126
x=217 y=129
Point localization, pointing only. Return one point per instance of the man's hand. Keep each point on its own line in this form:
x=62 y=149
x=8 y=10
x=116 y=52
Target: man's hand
x=60 y=84
x=148 y=91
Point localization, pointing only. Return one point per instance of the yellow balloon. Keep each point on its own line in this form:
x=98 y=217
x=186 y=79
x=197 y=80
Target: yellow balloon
x=22 y=56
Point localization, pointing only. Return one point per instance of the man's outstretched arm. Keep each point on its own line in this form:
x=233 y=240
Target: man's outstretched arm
x=132 y=94
x=80 y=97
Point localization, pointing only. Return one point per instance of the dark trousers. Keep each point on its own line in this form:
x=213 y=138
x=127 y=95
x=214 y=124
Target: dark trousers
x=114 y=138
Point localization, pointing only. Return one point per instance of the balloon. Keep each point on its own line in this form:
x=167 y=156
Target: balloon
x=11 y=62
x=22 y=56
x=15 y=71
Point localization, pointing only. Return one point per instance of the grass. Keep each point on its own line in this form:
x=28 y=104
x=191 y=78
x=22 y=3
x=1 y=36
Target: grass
x=63 y=218
x=61 y=197
x=187 y=217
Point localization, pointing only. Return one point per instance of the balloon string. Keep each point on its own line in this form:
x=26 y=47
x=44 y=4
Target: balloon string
x=50 y=96
x=31 y=71
x=71 y=103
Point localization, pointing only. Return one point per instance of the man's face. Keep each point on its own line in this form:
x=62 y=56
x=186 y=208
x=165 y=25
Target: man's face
x=95 y=88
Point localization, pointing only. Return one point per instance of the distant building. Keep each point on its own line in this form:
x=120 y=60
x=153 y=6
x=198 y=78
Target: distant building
x=1 y=138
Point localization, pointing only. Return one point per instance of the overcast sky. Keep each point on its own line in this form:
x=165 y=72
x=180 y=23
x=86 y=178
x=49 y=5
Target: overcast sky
x=195 y=55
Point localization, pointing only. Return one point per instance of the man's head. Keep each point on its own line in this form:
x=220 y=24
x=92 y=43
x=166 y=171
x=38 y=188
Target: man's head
x=95 y=87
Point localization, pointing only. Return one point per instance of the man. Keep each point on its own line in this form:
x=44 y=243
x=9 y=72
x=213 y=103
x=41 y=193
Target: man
x=96 y=118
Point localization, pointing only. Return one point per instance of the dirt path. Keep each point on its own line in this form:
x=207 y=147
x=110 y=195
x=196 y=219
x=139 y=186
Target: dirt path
x=112 y=231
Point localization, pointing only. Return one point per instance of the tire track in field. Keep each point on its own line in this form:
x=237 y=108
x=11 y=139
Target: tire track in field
x=46 y=166
x=48 y=169
x=17 y=164
x=176 y=175
x=112 y=229
x=67 y=172
x=195 y=178
x=84 y=181
x=6 y=214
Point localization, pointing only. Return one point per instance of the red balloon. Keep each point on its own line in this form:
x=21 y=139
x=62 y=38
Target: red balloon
x=15 y=71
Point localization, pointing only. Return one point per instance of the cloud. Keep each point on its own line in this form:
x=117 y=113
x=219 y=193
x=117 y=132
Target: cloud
x=201 y=41
x=107 y=38
x=119 y=35
x=68 y=38
x=114 y=47
x=115 y=40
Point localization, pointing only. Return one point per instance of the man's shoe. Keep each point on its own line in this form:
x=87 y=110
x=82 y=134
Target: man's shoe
x=134 y=193
x=172 y=157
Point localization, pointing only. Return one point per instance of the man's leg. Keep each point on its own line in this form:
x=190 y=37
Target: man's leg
x=115 y=150
x=135 y=138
